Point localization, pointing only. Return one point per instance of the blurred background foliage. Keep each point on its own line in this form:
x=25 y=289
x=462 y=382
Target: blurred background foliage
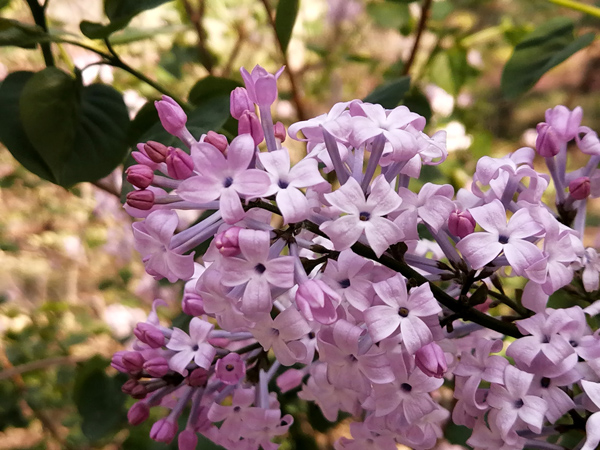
x=80 y=78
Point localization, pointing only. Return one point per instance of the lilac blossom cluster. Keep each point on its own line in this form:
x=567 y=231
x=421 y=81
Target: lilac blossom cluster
x=331 y=277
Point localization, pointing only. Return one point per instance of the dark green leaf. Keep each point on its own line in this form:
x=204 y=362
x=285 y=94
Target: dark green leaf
x=173 y=60
x=145 y=119
x=285 y=18
x=13 y=32
x=389 y=14
x=12 y=133
x=417 y=102
x=99 y=400
x=80 y=133
x=541 y=50
x=94 y=30
x=389 y=94
x=139 y=34
x=211 y=87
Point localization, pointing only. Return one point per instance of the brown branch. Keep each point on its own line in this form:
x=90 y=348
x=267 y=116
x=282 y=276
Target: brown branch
x=241 y=32
x=296 y=97
x=425 y=10
x=196 y=17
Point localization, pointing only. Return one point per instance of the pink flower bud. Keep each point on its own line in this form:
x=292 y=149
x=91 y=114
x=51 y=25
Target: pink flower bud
x=228 y=241
x=249 y=124
x=139 y=392
x=230 y=369
x=138 y=413
x=156 y=151
x=187 y=440
x=171 y=115
x=279 y=129
x=461 y=223
x=140 y=176
x=216 y=140
x=431 y=360
x=198 y=377
x=157 y=367
x=317 y=301
x=129 y=386
x=117 y=361
x=133 y=361
x=179 y=164
x=143 y=199
x=240 y=102
x=290 y=379
x=564 y=121
x=192 y=304
x=163 y=431
x=548 y=142
x=261 y=85
x=149 y=334
x=580 y=188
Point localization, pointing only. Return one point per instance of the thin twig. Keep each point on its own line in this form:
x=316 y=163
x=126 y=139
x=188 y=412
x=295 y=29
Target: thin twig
x=425 y=9
x=39 y=16
x=40 y=364
x=296 y=97
x=196 y=16
x=237 y=47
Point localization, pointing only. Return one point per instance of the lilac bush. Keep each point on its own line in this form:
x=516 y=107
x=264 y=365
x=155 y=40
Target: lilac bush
x=332 y=277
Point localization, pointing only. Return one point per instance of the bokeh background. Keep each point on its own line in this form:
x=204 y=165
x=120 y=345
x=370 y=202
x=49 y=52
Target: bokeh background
x=71 y=285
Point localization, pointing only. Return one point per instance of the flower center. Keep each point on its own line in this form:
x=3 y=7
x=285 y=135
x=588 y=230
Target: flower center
x=545 y=382
x=345 y=283
x=519 y=404
x=364 y=216
x=403 y=312
x=503 y=239
x=228 y=182
x=260 y=268
x=195 y=347
x=229 y=367
x=406 y=387
x=283 y=184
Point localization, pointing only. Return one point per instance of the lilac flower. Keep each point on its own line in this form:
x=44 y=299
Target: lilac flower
x=193 y=346
x=402 y=313
x=317 y=301
x=363 y=216
x=225 y=179
x=230 y=369
x=592 y=426
x=261 y=85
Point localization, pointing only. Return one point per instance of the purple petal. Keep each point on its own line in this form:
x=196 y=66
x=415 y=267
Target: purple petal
x=491 y=217
x=231 y=206
x=343 y=232
x=382 y=321
x=480 y=248
x=199 y=189
x=240 y=153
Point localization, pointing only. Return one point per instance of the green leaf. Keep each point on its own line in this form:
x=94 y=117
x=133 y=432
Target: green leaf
x=541 y=50
x=120 y=13
x=211 y=87
x=173 y=60
x=139 y=34
x=13 y=32
x=12 y=133
x=389 y=94
x=417 y=102
x=99 y=400
x=4 y=3
x=389 y=14
x=285 y=18
x=80 y=133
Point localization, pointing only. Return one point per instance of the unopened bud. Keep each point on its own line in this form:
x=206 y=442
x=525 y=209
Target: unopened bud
x=149 y=335
x=163 y=430
x=133 y=361
x=216 y=140
x=564 y=121
x=431 y=360
x=138 y=413
x=179 y=164
x=143 y=199
x=187 y=440
x=198 y=377
x=249 y=124
x=240 y=102
x=157 y=367
x=156 y=151
x=129 y=386
x=139 y=392
x=140 y=176
x=461 y=223
x=548 y=142
x=290 y=379
x=228 y=241
x=580 y=188
x=117 y=361
x=279 y=129
x=171 y=115
x=192 y=304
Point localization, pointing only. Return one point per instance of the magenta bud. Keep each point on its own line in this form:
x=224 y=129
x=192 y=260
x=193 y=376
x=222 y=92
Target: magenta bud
x=228 y=241
x=143 y=199
x=163 y=430
x=117 y=361
x=240 y=102
x=187 y=440
x=230 y=369
x=179 y=164
x=431 y=360
x=171 y=115
x=249 y=124
x=157 y=367
x=548 y=142
x=580 y=188
x=461 y=223
x=261 y=85
x=149 y=334
x=133 y=361
x=129 y=386
x=140 y=176
x=198 y=377
x=217 y=140
x=290 y=379
x=192 y=304
x=156 y=151
x=138 y=413
x=139 y=392
x=279 y=129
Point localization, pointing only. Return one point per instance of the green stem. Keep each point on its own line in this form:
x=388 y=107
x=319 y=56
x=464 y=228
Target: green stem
x=39 y=16
x=577 y=6
x=522 y=311
x=464 y=311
